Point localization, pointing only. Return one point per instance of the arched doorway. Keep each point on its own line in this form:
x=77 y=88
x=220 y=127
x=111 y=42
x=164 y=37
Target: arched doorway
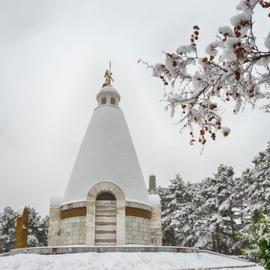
x=105 y=219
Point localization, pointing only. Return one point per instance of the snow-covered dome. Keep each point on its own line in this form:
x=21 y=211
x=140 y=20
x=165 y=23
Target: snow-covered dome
x=108 y=95
x=108 y=89
x=107 y=153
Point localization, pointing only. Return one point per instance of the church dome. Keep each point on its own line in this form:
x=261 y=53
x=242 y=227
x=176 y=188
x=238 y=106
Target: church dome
x=107 y=154
x=108 y=89
x=108 y=95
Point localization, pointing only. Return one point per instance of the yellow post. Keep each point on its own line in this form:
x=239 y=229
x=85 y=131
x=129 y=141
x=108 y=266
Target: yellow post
x=22 y=229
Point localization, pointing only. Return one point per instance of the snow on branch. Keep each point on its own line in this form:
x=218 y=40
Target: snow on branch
x=233 y=69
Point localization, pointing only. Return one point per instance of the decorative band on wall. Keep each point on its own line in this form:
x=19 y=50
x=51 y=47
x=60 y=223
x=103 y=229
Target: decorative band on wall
x=81 y=212
x=137 y=212
x=74 y=212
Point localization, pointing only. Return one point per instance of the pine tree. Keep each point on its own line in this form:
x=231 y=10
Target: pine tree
x=168 y=234
x=216 y=217
x=7 y=229
x=259 y=238
x=258 y=193
x=175 y=211
x=38 y=229
x=252 y=193
x=241 y=211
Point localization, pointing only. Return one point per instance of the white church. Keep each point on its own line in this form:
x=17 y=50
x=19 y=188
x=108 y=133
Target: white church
x=106 y=202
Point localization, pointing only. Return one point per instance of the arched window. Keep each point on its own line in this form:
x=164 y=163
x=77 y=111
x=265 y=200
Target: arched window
x=113 y=100
x=103 y=100
x=106 y=196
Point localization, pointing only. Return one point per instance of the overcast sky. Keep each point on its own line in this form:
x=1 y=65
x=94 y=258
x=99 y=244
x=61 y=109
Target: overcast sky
x=53 y=55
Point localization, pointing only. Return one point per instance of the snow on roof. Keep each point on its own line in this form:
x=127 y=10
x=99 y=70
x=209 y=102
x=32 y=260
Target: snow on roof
x=107 y=154
x=125 y=261
x=108 y=89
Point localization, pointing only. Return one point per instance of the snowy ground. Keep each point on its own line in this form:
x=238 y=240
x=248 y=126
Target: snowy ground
x=122 y=261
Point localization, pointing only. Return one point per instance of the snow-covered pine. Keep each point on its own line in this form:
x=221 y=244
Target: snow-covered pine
x=255 y=183
x=176 y=212
x=38 y=229
x=200 y=215
x=213 y=213
x=259 y=239
x=216 y=213
x=258 y=193
x=7 y=229
x=234 y=69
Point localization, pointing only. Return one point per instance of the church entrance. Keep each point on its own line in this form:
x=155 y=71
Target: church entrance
x=105 y=222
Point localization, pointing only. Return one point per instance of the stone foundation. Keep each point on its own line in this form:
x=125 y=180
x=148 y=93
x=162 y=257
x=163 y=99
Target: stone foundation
x=137 y=230
x=73 y=231
x=82 y=249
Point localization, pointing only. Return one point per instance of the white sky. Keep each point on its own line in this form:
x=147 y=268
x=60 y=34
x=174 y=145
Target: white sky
x=53 y=55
